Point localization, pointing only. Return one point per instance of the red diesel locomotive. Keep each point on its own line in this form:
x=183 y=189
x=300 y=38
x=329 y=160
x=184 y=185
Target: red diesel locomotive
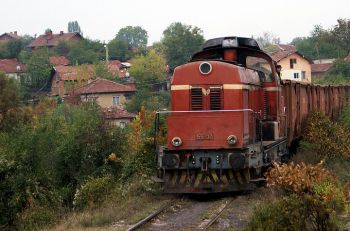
x=227 y=121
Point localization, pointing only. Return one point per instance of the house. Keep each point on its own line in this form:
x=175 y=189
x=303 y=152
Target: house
x=51 y=40
x=295 y=66
x=5 y=37
x=106 y=93
x=347 y=58
x=65 y=78
x=12 y=68
x=117 y=116
x=59 y=61
x=320 y=67
x=118 y=68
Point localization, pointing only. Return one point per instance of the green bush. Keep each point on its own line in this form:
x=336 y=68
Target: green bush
x=293 y=213
x=43 y=163
x=344 y=117
x=329 y=140
x=94 y=192
x=37 y=216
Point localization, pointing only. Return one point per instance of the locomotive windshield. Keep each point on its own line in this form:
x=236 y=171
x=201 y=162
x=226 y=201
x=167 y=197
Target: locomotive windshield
x=261 y=65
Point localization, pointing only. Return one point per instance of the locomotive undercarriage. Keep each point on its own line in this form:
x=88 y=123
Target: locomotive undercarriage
x=222 y=170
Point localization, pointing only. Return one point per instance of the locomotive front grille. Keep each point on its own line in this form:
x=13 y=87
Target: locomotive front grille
x=196 y=99
x=215 y=98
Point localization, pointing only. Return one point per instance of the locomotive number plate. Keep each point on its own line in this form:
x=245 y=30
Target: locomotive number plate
x=204 y=136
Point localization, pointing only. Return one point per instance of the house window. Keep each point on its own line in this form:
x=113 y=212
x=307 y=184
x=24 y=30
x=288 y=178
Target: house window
x=122 y=124
x=303 y=75
x=116 y=100
x=292 y=62
x=296 y=75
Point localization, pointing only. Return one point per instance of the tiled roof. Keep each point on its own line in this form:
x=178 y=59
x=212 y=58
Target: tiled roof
x=279 y=55
x=286 y=47
x=117 y=113
x=75 y=72
x=52 y=39
x=114 y=67
x=104 y=86
x=12 y=35
x=59 y=61
x=12 y=66
x=321 y=67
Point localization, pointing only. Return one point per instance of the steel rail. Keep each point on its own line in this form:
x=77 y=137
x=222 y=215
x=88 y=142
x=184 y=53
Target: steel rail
x=214 y=219
x=149 y=217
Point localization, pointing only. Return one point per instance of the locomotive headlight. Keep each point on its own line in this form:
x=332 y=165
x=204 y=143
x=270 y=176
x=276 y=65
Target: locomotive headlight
x=176 y=141
x=205 y=68
x=231 y=139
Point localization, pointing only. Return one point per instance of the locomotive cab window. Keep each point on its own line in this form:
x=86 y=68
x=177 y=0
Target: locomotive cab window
x=262 y=66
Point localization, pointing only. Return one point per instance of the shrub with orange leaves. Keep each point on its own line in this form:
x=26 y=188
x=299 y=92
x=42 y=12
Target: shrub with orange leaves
x=297 y=178
x=311 y=199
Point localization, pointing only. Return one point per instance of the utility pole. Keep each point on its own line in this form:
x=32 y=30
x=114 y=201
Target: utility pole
x=106 y=53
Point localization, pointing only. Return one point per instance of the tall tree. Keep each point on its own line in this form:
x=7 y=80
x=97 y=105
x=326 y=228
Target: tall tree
x=149 y=72
x=135 y=36
x=180 y=42
x=11 y=114
x=73 y=26
x=119 y=49
x=39 y=70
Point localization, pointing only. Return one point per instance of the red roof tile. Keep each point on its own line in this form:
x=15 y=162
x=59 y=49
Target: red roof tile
x=59 y=61
x=114 y=67
x=75 y=72
x=286 y=47
x=321 y=67
x=117 y=113
x=13 y=35
x=279 y=55
x=104 y=86
x=52 y=39
x=12 y=66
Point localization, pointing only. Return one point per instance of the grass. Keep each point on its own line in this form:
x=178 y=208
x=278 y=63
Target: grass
x=115 y=214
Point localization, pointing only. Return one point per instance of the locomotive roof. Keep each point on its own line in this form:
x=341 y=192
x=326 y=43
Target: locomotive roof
x=232 y=41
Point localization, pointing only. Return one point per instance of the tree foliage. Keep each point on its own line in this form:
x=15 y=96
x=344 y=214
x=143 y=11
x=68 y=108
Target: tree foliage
x=11 y=114
x=326 y=43
x=39 y=69
x=43 y=163
x=119 y=49
x=73 y=26
x=134 y=36
x=180 y=42
x=149 y=71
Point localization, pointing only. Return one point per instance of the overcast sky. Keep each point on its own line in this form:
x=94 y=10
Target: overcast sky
x=103 y=18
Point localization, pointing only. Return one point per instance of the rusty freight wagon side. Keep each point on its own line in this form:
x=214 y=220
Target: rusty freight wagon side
x=301 y=99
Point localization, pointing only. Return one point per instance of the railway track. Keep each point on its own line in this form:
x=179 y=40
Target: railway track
x=203 y=226
x=147 y=219
x=215 y=217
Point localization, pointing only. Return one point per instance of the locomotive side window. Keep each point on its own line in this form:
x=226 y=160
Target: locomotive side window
x=261 y=65
x=196 y=99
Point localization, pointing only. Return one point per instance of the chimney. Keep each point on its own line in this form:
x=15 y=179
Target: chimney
x=49 y=32
x=61 y=32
